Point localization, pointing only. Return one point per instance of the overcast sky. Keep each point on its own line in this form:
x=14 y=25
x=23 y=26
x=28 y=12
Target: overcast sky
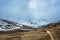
x=30 y=10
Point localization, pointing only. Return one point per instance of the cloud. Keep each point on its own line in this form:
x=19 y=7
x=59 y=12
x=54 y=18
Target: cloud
x=32 y=4
x=30 y=10
x=53 y=1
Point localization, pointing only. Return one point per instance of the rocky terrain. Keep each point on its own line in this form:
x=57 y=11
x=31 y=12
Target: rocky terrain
x=47 y=32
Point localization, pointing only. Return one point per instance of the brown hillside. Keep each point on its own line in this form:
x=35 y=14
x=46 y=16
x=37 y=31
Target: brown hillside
x=48 y=32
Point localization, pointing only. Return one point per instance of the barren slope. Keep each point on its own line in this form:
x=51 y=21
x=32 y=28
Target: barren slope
x=48 y=32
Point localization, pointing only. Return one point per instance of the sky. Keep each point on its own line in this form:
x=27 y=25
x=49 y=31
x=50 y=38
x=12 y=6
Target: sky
x=30 y=12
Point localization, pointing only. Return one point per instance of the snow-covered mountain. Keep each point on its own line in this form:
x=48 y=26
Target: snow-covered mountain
x=6 y=25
